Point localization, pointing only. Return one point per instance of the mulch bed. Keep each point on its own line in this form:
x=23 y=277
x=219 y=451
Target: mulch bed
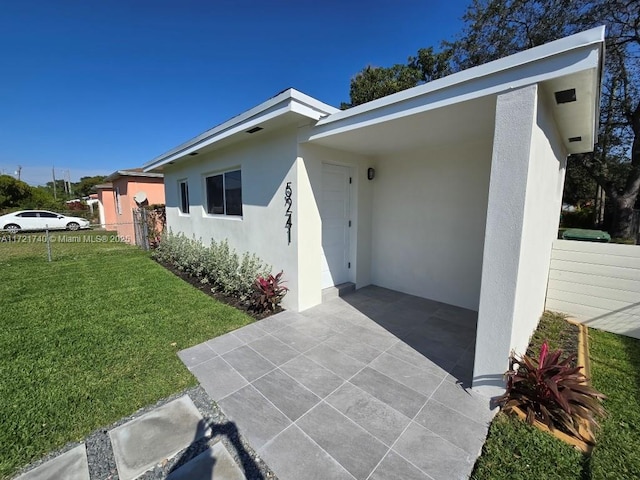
x=206 y=288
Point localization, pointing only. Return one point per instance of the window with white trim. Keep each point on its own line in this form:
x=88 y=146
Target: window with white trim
x=224 y=193
x=184 y=196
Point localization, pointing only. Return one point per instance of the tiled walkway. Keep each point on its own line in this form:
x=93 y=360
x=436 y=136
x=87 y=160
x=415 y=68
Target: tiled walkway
x=368 y=386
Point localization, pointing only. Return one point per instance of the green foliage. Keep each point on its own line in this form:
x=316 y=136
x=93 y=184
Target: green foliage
x=615 y=369
x=268 y=293
x=496 y=28
x=13 y=192
x=218 y=264
x=517 y=451
x=376 y=82
x=90 y=338
x=581 y=218
x=86 y=186
x=551 y=390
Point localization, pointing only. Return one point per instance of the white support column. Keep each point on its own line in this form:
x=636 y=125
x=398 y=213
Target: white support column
x=515 y=120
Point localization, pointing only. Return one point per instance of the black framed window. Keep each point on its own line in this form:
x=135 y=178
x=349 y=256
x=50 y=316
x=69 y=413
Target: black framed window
x=184 y=196
x=224 y=193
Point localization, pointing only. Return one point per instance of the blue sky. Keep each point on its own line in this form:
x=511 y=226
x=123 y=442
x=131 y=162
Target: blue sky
x=96 y=86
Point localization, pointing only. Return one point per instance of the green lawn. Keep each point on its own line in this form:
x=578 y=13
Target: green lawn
x=514 y=450
x=89 y=338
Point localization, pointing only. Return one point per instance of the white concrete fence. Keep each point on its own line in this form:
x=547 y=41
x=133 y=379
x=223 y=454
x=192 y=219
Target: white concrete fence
x=598 y=284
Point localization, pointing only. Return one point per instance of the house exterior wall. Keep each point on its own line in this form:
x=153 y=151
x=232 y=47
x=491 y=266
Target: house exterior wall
x=527 y=174
x=311 y=159
x=429 y=213
x=128 y=188
x=545 y=182
x=598 y=284
x=267 y=163
x=107 y=205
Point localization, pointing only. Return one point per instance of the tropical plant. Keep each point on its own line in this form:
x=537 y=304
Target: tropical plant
x=268 y=293
x=552 y=391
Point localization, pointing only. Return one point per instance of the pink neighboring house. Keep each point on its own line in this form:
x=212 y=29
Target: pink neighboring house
x=117 y=199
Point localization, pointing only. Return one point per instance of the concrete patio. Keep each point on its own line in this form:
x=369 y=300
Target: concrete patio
x=367 y=386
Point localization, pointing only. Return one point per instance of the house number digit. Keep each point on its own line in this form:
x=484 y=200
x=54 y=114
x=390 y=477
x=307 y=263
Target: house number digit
x=288 y=202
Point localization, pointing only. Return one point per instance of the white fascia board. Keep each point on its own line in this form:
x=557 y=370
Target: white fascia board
x=513 y=71
x=288 y=101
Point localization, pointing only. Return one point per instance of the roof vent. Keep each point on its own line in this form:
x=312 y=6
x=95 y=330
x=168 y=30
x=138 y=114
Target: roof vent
x=254 y=130
x=193 y=154
x=575 y=139
x=565 y=96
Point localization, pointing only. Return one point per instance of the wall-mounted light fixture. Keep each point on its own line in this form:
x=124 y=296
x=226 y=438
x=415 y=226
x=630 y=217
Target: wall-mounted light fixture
x=371 y=173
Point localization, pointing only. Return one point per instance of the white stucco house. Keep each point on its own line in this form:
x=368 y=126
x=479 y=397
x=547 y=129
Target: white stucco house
x=450 y=190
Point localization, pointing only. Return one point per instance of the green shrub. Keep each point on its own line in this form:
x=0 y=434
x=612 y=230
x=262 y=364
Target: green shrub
x=218 y=264
x=582 y=218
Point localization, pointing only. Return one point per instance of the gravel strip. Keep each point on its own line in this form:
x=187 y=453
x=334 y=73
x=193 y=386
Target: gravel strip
x=102 y=464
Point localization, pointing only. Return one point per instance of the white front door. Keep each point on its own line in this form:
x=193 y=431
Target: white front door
x=335 y=211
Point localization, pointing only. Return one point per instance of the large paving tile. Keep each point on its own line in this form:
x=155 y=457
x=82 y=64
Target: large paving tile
x=353 y=447
x=280 y=320
x=433 y=455
x=394 y=467
x=376 y=417
x=292 y=455
x=249 y=333
x=257 y=419
x=375 y=336
x=453 y=426
x=224 y=343
x=274 y=350
x=287 y=394
x=196 y=355
x=314 y=328
x=312 y=375
x=71 y=465
x=402 y=398
x=214 y=463
x=339 y=363
x=358 y=350
x=248 y=362
x=465 y=401
x=218 y=378
x=144 y=441
x=296 y=338
x=407 y=374
x=413 y=357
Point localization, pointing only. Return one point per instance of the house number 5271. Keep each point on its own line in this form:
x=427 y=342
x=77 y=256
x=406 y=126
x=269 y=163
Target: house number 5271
x=288 y=202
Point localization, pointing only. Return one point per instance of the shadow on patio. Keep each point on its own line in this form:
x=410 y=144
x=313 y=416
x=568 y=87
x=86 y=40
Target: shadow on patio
x=367 y=386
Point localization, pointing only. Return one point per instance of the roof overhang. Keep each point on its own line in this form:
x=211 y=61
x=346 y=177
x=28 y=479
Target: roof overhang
x=132 y=173
x=463 y=104
x=286 y=108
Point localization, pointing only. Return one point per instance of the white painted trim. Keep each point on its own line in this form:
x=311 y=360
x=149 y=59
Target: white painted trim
x=594 y=36
x=288 y=101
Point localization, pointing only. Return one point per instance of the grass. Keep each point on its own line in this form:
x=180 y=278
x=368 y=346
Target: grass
x=89 y=338
x=514 y=450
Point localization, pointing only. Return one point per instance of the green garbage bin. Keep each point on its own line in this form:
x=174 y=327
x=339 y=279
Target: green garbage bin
x=585 y=235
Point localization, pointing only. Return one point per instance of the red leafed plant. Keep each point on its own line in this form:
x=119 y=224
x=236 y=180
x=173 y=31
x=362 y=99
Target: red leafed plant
x=551 y=391
x=268 y=293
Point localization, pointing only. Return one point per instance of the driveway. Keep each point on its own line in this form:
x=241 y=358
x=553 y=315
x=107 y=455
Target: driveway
x=368 y=386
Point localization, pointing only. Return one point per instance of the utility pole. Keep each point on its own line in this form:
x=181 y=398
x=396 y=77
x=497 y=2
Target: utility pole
x=19 y=171
x=53 y=171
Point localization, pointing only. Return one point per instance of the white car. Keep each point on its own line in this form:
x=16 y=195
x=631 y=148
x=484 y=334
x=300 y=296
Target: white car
x=29 y=220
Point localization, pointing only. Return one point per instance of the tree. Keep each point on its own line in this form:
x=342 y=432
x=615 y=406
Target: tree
x=376 y=82
x=496 y=28
x=13 y=192
x=87 y=185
